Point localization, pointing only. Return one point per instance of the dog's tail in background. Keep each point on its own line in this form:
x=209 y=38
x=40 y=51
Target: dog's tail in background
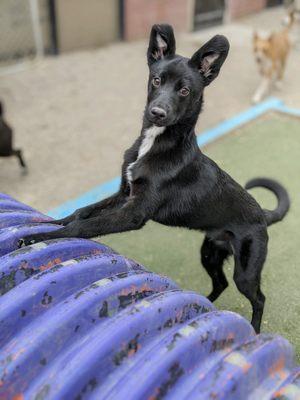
x=283 y=199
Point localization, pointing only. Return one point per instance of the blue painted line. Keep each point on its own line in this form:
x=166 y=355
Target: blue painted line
x=92 y=196
x=208 y=136
x=238 y=120
x=288 y=110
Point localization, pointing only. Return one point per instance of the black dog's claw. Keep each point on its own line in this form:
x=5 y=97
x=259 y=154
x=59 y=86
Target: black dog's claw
x=23 y=242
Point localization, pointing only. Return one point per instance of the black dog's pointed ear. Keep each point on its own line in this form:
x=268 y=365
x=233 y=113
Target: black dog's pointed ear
x=161 y=44
x=210 y=57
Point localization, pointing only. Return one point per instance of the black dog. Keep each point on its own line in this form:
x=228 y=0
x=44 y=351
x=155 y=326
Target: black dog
x=6 y=141
x=166 y=178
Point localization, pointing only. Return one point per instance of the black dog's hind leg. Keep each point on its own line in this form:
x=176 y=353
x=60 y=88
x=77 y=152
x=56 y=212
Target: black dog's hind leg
x=250 y=256
x=212 y=258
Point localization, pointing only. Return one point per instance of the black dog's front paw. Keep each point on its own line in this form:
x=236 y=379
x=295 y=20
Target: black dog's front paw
x=24 y=242
x=29 y=240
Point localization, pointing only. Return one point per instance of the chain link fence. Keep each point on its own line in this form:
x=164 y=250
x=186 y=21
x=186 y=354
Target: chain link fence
x=24 y=30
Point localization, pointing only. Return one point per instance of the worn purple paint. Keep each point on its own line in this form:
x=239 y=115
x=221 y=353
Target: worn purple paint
x=22 y=304
x=17 y=217
x=9 y=237
x=79 y=321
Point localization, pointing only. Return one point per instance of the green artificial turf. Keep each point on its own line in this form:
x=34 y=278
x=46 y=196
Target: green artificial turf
x=269 y=146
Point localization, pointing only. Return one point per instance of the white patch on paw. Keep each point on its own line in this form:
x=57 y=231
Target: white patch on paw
x=262 y=90
x=255 y=100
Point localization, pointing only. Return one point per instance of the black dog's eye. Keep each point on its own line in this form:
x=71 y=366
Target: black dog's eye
x=184 y=91
x=156 y=82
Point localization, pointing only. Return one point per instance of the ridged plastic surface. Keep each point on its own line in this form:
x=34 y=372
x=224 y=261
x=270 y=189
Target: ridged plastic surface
x=79 y=321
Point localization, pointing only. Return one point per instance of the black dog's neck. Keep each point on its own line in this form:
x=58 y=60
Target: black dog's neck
x=182 y=134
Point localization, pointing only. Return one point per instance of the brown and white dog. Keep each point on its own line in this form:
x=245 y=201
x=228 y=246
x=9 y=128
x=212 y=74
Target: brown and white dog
x=271 y=54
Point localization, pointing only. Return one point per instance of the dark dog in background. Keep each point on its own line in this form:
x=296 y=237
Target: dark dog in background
x=167 y=179
x=6 y=141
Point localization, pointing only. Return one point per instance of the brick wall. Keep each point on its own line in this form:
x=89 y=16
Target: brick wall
x=140 y=15
x=238 y=8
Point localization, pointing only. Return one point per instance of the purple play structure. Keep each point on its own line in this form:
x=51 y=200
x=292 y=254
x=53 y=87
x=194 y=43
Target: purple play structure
x=79 y=321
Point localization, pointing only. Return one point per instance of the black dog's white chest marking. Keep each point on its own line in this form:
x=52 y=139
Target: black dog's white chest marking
x=150 y=135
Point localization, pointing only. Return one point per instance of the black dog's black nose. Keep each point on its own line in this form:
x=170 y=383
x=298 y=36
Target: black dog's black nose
x=158 y=112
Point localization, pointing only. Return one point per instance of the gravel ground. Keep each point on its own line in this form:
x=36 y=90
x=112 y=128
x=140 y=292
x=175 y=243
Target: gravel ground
x=74 y=115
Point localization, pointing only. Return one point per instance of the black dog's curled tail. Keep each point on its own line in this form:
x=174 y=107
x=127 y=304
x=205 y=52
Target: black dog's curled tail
x=283 y=199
